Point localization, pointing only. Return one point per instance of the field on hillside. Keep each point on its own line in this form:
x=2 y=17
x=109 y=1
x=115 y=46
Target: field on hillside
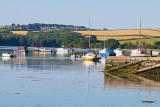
x=20 y=32
x=122 y=34
x=3 y=29
x=148 y=41
x=148 y=32
x=116 y=37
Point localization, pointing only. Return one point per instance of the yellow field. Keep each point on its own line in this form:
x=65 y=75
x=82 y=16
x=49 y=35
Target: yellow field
x=116 y=37
x=20 y=32
x=122 y=34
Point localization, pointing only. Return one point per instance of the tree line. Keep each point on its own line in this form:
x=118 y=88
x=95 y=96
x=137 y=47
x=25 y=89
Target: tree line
x=44 y=27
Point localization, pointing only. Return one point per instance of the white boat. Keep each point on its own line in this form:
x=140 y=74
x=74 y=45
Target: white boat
x=137 y=52
x=118 y=52
x=37 y=48
x=45 y=50
x=8 y=55
x=155 y=53
x=62 y=50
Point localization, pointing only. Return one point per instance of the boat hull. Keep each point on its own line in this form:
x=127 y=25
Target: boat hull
x=45 y=50
x=107 y=54
x=92 y=59
x=7 y=55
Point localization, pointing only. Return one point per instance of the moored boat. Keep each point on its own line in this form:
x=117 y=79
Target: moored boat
x=45 y=50
x=155 y=53
x=37 y=48
x=137 y=52
x=62 y=50
x=91 y=56
x=107 y=52
x=7 y=55
x=118 y=52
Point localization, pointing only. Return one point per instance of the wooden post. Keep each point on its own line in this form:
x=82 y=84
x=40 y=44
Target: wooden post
x=151 y=53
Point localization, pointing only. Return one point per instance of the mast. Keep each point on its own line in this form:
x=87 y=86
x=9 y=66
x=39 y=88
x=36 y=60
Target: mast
x=140 y=34
x=145 y=45
x=104 y=44
x=89 y=33
x=104 y=40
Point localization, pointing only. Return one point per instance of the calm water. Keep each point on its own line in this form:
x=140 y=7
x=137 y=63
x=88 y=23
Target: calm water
x=55 y=80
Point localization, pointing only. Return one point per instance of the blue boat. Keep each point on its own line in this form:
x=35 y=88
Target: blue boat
x=107 y=52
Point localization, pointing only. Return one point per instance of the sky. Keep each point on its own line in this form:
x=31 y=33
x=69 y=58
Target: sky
x=110 y=14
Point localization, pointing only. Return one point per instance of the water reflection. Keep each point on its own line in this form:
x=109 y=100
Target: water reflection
x=61 y=54
x=90 y=63
x=20 y=58
x=6 y=58
x=41 y=60
x=41 y=53
x=130 y=81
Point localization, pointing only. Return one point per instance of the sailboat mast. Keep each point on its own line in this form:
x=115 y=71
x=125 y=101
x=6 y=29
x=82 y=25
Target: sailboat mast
x=104 y=40
x=104 y=44
x=140 y=34
x=145 y=44
x=89 y=33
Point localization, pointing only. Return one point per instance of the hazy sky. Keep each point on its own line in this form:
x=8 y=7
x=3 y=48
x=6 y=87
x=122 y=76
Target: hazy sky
x=111 y=14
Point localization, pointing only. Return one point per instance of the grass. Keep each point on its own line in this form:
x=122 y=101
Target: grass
x=1 y=29
x=148 y=41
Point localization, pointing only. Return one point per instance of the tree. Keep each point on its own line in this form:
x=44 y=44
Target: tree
x=93 y=39
x=128 y=45
x=157 y=43
x=112 y=43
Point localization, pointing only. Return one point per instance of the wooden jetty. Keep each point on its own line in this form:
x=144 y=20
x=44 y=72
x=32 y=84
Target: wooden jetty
x=131 y=64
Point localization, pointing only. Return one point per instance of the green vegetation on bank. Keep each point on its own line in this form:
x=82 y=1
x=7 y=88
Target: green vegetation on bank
x=47 y=39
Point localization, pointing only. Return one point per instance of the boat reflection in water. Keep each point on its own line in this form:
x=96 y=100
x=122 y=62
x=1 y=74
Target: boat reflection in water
x=130 y=81
x=6 y=58
x=61 y=54
x=37 y=53
x=20 y=59
x=88 y=63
